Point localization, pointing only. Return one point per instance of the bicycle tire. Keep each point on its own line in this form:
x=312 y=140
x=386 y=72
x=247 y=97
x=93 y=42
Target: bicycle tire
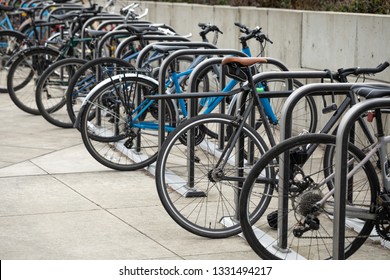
x=23 y=75
x=111 y=135
x=304 y=191
x=10 y=43
x=205 y=203
x=82 y=81
x=51 y=88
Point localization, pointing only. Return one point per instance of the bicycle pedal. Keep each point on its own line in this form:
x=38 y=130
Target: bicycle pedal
x=195 y=193
x=272 y=219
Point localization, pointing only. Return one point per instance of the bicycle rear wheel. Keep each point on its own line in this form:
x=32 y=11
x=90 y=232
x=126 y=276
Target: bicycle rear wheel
x=308 y=228
x=119 y=127
x=198 y=194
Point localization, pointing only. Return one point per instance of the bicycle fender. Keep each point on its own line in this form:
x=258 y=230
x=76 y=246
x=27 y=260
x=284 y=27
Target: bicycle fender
x=15 y=33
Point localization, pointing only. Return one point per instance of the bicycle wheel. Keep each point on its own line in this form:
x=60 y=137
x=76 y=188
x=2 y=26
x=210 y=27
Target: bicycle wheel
x=308 y=227
x=198 y=194
x=24 y=73
x=119 y=126
x=86 y=78
x=51 y=88
x=10 y=43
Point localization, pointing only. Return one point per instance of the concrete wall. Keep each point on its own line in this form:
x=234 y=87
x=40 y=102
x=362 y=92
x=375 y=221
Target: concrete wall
x=302 y=39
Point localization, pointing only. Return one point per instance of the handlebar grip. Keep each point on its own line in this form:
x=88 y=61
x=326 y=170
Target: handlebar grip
x=243 y=28
x=238 y=24
x=378 y=69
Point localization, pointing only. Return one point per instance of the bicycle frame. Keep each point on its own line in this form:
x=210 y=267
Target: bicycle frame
x=6 y=23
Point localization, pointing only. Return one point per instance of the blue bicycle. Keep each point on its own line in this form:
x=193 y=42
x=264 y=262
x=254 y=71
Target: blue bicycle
x=120 y=125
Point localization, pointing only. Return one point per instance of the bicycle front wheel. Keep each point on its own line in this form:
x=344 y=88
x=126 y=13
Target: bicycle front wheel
x=307 y=231
x=88 y=76
x=119 y=126
x=197 y=184
x=24 y=74
x=51 y=89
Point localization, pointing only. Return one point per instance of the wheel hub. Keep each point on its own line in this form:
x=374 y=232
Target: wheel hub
x=216 y=175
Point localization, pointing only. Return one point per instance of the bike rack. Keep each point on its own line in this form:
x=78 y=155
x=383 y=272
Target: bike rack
x=102 y=17
x=173 y=56
x=342 y=143
x=149 y=37
x=119 y=25
x=185 y=44
x=104 y=38
x=56 y=9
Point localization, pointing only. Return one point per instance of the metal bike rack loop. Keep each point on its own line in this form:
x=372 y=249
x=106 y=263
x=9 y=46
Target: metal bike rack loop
x=52 y=9
x=161 y=39
x=185 y=44
x=341 y=168
x=89 y=22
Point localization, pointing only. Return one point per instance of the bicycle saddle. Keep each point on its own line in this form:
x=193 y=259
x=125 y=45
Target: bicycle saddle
x=372 y=91
x=67 y=16
x=236 y=66
x=167 y=49
x=96 y=33
x=140 y=29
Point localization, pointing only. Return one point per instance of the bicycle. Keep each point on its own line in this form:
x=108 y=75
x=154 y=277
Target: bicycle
x=215 y=168
x=54 y=83
x=102 y=149
x=95 y=71
x=305 y=165
x=29 y=64
x=198 y=175
x=13 y=41
x=126 y=138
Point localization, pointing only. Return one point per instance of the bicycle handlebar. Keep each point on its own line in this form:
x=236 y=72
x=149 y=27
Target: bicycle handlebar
x=206 y=28
x=252 y=33
x=359 y=71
